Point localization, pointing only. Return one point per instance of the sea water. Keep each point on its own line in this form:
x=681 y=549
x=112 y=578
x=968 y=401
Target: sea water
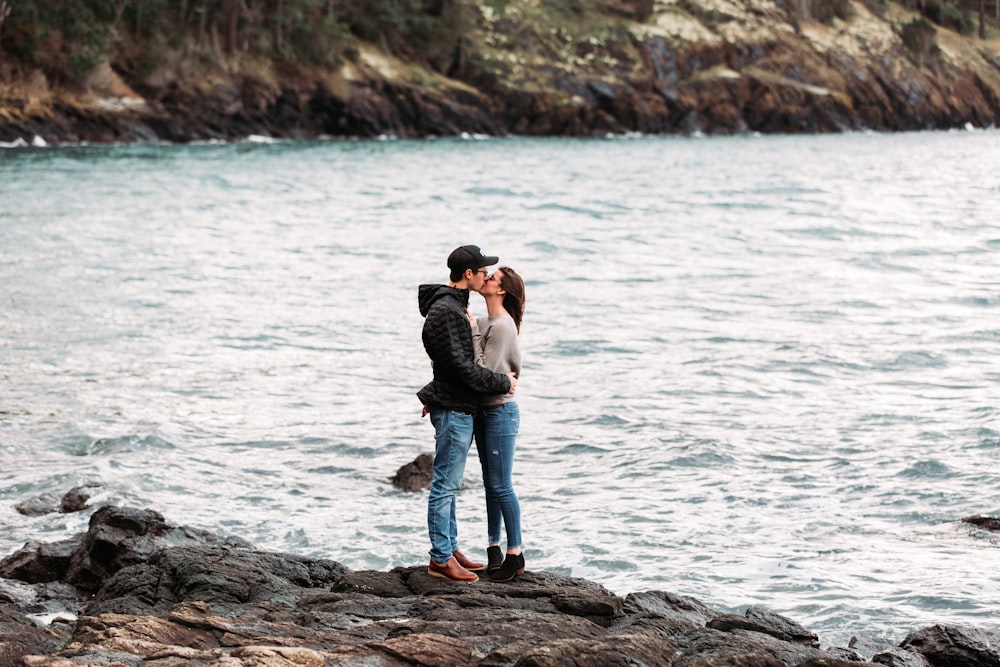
x=757 y=370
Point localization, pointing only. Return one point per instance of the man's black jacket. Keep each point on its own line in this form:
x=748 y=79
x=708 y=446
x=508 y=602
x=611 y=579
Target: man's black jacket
x=458 y=380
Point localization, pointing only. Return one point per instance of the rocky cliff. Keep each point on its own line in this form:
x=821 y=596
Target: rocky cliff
x=135 y=591
x=713 y=67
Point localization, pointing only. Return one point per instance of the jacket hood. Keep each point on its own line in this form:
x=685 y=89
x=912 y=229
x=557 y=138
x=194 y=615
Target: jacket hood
x=428 y=295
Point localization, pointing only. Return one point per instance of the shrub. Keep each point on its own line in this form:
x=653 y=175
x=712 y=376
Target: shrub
x=919 y=38
x=944 y=14
x=428 y=29
x=319 y=42
x=635 y=10
x=825 y=11
x=951 y=17
x=65 y=38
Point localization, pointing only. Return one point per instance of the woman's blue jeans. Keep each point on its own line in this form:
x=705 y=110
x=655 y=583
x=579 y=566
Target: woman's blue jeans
x=452 y=441
x=496 y=434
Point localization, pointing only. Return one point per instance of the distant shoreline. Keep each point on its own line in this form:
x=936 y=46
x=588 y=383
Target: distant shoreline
x=766 y=70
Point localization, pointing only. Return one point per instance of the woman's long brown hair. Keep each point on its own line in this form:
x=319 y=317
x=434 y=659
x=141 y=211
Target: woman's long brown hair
x=513 y=300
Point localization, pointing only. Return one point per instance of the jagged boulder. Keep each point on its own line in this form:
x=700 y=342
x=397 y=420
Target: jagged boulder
x=765 y=621
x=219 y=574
x=116 y=538
x=416 y=475
x=955 y=646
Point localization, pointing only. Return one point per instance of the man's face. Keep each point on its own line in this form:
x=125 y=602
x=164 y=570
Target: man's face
x=478 y=279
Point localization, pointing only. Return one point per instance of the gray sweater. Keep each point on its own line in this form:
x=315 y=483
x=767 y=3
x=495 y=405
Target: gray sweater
x=497 y=349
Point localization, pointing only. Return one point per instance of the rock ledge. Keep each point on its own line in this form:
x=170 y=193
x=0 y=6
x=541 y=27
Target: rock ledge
x=134 y=591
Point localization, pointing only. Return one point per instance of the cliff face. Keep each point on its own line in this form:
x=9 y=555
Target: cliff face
x=719 y=67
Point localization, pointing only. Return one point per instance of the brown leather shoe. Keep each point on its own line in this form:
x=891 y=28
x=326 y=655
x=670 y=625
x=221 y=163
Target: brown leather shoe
x=451 y=570
x=470 y=565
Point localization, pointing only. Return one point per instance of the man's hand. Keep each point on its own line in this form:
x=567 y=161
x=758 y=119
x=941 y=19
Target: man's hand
x=425 y=411
x=513 y=381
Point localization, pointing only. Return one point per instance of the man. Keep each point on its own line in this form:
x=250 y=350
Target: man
x=451 y=399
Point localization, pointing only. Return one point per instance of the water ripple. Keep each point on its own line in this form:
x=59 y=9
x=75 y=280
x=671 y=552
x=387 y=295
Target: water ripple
x=757 y=370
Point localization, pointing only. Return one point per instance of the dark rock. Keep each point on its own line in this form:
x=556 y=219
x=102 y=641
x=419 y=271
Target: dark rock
x=669 y=605
x=43 y=603
x=116 y=538
x=429 y=649
x=20 y=637
x=221 y=574
x=37 y=562
x=73 y=501
x=867 y=647
x=742 y=645
x=416 y=475
x=711 y=648
x=847 y=654
x=954 y=646
x=76 y=498
x=886 y=652
x=758 y=619
x=341 y=611
x=666 y=628
x=371 y=582
x=214 y=602
x=623 y=651
x=897 y=657
x=119 y=537
x=36 y=618
x=546 y=592
x=486 y=629
x=45 y=503
x=984 y=522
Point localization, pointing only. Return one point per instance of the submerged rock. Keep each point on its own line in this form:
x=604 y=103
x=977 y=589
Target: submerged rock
x=984 y=522
x=136 y=591
x=45 y=503
x=416 y=475
x=75 y=500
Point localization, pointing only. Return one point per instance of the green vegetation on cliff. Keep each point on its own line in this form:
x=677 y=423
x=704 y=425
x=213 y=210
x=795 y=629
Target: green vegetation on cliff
x=124 y=70
x=67 y=39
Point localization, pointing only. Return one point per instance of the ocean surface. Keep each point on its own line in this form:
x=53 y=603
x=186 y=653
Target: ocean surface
x=757 y=370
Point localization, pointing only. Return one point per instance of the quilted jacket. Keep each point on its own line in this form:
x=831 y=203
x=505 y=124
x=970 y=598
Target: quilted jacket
x=458 y=380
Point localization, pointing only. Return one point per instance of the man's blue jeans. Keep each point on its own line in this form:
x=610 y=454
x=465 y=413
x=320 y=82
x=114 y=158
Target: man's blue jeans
x=452 y=441
x=496 y=434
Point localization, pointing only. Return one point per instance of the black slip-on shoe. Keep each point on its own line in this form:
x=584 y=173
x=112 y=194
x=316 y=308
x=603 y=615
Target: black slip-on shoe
x=513 y=565
x=494 y=555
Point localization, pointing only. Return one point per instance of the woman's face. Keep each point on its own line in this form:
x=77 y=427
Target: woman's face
x=492 y=284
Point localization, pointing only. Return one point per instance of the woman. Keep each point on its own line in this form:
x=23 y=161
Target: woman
x=498 y=419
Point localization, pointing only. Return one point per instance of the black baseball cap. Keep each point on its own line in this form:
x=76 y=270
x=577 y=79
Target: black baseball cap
x=469 y=257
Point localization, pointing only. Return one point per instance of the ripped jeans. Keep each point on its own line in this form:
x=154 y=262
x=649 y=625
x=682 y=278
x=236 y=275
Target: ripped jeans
x=496 y=433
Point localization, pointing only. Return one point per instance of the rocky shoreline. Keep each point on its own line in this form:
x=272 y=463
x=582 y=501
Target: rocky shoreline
x=722 y=67
x=136 y=591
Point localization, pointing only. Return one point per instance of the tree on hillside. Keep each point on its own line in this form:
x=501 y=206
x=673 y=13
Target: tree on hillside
x=232 y=20
x=4 y=13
